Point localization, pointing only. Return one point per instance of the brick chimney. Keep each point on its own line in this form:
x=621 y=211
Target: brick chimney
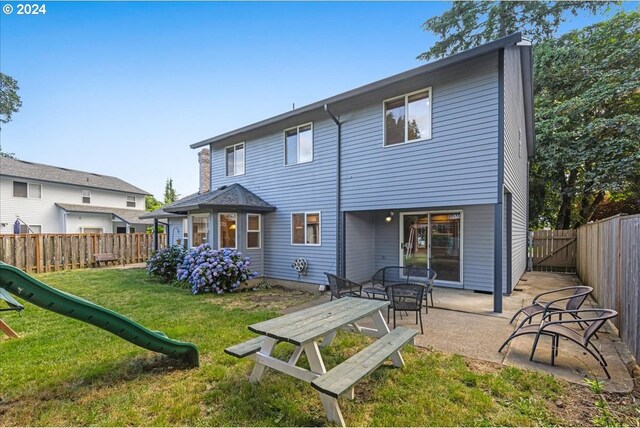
x=205 y=170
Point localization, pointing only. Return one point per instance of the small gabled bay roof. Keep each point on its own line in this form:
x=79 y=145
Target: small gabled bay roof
x=397 y=84
x=161 y=213
x=54 y=174
x=127 y=216
x=232 y=197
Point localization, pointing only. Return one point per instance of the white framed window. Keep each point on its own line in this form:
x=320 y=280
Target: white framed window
x=131 y=201
x=227 y=230
x=23 y=189
x=32 y=228
x=298 y=144
x=254 y=231
x=407 y=118
x=199 y=229
x=86 y=196
x=91 y=229
x=234 y=158
x=305 y=228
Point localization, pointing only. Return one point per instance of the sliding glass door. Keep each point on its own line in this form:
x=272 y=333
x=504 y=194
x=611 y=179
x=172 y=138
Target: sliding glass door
x=434 y=240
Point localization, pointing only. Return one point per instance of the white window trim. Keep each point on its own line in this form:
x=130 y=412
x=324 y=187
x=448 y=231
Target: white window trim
x=429 y=213
x=91 y=227
x=284 y=138
x=30 y=230
x=82 y=196
x=190 y=227
x=135 y=201
x=406 y=123
x=259 y=231
x=28 y=183
x=220 y=234
x=244 y=159
x=305 y=228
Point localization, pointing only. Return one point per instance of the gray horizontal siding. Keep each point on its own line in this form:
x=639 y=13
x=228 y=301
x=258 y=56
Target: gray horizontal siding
x=515 y=159
x=360 y=246
x=458 y=166
x=293 y=188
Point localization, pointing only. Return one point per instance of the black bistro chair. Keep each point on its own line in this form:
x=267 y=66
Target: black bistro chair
x=405 y=298
x=341 y=287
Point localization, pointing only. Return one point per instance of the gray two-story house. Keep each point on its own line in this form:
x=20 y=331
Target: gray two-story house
x=428 y=167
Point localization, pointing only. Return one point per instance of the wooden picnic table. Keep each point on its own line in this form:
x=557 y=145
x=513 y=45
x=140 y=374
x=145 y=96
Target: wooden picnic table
x=316 y=327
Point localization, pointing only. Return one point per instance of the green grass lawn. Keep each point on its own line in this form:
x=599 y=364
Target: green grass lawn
x=65 y=372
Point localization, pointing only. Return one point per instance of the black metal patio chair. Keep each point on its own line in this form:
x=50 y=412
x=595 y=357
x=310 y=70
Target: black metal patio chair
x=401 y=274
x=559 y=328
x=572 y=302
x=405 y=298
x=340 y=287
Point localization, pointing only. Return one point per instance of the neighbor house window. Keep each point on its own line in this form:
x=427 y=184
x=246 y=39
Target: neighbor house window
x=24 y=190
x=305 y=228
x=86 y=196
x=131 y=201
x=199 y=229
x=91 y=230
x=235 y=159
x=298 y=144
x=254 y=229
x=407 y=118
x=228 y=228
x=32 y=228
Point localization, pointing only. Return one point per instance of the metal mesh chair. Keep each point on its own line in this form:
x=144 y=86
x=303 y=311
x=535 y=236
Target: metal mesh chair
x=340 y=287
x=572 y=303
x=560 y=328
x=406 y=298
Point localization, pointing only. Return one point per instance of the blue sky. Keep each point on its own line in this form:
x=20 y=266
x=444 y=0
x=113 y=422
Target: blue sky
x=123 y=88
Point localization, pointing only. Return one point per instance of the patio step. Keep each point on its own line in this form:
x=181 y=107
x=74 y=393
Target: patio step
x=344 y=376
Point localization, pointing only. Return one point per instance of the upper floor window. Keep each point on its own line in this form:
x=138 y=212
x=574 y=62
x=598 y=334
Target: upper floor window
x=235 y=159
x=305 y=228
x=408 y=118
x=27 y=190
x=131 y=201
x=86 y=196
x=298 y=144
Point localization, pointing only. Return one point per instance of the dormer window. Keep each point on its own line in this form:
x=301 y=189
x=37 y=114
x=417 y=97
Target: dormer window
x=408 y=118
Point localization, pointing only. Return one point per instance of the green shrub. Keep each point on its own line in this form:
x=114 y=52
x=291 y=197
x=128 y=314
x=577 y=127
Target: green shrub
x=163 y=264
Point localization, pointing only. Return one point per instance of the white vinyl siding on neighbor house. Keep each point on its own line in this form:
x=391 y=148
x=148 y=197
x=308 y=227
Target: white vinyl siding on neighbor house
x=234 y=158
x=305 y=228
x=407 y=118
x=298 y=144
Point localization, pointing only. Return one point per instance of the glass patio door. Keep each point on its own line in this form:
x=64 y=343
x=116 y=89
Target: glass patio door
x=414 y=240
x=432 y=240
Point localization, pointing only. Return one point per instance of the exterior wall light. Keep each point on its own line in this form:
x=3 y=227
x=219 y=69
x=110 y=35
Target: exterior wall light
x=389 y=217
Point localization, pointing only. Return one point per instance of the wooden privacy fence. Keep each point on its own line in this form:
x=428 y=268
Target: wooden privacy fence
x=49 y=252
x=609 y=261
x=554 y=250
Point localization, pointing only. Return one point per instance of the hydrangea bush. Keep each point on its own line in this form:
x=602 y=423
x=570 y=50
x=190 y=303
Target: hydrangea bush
x=164 y=264
x=215 y=271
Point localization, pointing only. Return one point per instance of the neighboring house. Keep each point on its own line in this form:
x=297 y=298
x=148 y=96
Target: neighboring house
x=50 y=199
x=428 y=167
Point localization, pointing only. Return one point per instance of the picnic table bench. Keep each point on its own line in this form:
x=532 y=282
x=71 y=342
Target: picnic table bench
x=105 y=258
x=314 y=328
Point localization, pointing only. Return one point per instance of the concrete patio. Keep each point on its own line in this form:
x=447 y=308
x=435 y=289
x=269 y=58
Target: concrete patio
x=464 y=323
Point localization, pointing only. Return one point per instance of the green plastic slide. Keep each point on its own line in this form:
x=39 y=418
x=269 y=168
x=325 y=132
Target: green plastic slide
x=33 y=291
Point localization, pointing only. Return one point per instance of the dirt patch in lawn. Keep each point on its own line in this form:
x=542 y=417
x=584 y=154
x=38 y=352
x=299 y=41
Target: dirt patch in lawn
x=275 y=298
